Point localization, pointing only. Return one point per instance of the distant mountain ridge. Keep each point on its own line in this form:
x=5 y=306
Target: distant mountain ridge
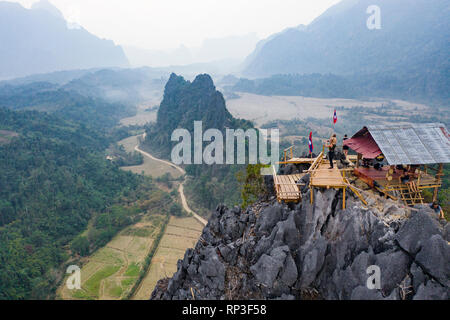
x=413 y=39
x=219 y=51
x=39 y=40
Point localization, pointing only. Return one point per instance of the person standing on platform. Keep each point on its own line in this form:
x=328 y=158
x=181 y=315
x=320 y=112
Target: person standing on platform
x=331 y=149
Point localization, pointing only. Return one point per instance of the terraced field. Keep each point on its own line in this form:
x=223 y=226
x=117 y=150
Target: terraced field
x=181 y=234
x=113 y=271
x=110 y=273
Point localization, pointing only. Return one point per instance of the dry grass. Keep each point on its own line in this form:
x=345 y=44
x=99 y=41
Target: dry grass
x=149 y=167
x=189 y=233
x=262 y=109
x=111 y=272
x=142 y=116
x=140 y=119
x=181 y=234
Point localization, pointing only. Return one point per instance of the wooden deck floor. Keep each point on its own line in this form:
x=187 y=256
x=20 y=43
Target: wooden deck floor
x=299 y=161
x=323 y=177
x=370 y=175
x=351 y=158
x=287 y=188
x=410 y=193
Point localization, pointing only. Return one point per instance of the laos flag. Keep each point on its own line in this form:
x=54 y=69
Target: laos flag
x=335 y=117
x=311 y=146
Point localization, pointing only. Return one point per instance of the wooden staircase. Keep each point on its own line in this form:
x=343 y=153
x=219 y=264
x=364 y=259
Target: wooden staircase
x=412 y=195
x=355 y=191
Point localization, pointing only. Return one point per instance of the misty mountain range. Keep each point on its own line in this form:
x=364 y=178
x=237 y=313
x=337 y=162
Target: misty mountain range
x=412 y=45
x=227 y=50
x=39 y=40
x=413 y=38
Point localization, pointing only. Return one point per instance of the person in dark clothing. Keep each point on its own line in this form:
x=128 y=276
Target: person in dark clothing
x=379 y=163
x=402 y=168
x=405 y=178
x=437 y=208
x=366 y=163
x=378 y=166
x=331 y=147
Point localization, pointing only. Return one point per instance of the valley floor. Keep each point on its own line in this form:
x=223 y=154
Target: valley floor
x=150 y=167
x=262 y=109
x=181 y=234
x=112 y=272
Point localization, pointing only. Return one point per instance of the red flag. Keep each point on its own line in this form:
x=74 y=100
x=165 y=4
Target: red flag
x=335 y=117
x=311 y=146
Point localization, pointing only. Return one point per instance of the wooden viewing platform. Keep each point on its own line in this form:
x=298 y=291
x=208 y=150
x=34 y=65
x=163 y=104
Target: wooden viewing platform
x=372 y=176
x=287 y=187
x=387 y=181
x=399 y=163
x=323 y=177
x=407 y=151
x=351 y=158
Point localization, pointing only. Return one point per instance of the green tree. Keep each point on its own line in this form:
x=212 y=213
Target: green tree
x=80 y=245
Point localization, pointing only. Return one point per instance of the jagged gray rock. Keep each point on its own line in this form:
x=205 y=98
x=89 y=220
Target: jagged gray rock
x=268 y=219
x=420 y=227
x=275 y=251
x=434 y=259
x=394 y=267
x=431 y=291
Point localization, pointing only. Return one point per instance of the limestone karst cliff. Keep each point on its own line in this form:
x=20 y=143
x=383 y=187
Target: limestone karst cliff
x=319 y=251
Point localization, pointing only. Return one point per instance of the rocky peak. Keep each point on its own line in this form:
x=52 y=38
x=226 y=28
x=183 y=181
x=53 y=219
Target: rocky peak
x=204 y=82
x=174 y=83
x=185 y=102
x=48 y=7
x=315 y=251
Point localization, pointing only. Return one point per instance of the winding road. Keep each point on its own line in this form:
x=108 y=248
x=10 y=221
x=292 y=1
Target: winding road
x=181 y=188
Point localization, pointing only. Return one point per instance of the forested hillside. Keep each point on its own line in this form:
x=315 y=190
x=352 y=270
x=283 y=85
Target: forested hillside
x=96 y=97
x=55 y=177
x=68 y=104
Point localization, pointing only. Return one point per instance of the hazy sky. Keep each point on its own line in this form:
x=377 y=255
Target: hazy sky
x=163 y=24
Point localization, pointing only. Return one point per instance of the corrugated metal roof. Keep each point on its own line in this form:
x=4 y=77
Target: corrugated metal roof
x=413 y=144
x=363 y=143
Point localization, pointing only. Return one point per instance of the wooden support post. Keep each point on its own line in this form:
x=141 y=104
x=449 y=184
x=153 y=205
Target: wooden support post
x=358 y=159
x=343 y=199
x=419 y=175
x=312 y=195
x=438 y=181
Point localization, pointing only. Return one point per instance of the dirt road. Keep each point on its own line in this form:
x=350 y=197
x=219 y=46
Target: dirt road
x=180 y=189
